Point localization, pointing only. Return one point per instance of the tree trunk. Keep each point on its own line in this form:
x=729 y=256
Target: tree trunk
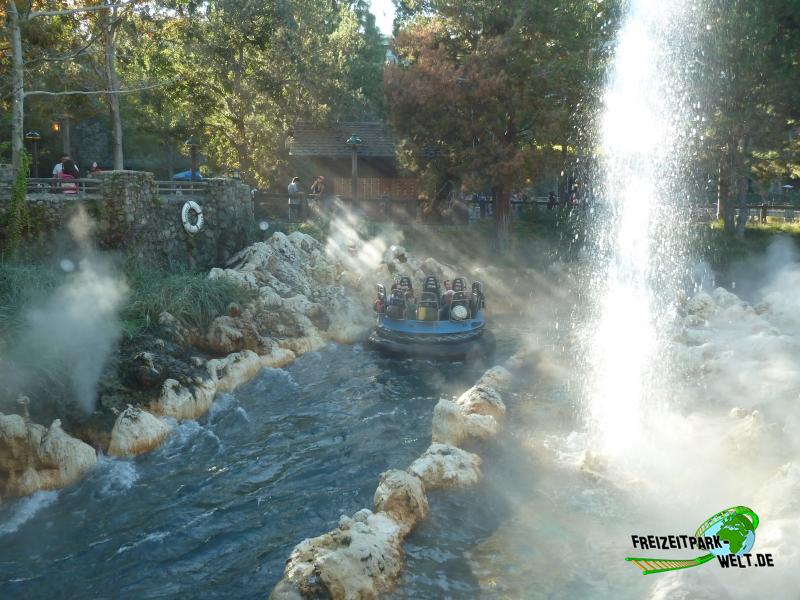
x=502 y=219
x=725 y=208
x=744 y=212
x=742 y=188
x=65 y=136
x=243 y=152
x=112 y=83
x=17 y=85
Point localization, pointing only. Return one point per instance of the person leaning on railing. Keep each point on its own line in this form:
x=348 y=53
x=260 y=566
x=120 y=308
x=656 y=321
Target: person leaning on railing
x=68 y=177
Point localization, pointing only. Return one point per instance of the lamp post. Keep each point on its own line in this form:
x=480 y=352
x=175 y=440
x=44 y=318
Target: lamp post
x=193 y=151
x=353 y=142
x=34 y=137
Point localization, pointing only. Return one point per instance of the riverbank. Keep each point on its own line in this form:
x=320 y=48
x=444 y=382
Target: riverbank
x=174 y=370
x=304 y=294
x=191 y=339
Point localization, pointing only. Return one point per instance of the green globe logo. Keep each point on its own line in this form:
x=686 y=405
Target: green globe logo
x=733 y=527
x=736 y=529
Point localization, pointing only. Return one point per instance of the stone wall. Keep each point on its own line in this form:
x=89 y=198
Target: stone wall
x=131 y=216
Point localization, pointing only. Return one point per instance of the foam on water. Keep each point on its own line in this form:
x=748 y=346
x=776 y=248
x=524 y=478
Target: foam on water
x=118 y=475
x=25 y=509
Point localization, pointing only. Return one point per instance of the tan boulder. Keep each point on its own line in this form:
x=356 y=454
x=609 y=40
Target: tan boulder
x=452 y=424
x=401 y=495
x=35 y=458
x=136 y=431
x=443 y=466
x=182 y=402
x=359 y=560
x=482 y=400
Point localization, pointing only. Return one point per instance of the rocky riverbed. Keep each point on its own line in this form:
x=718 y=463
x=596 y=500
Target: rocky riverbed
x=308 y=294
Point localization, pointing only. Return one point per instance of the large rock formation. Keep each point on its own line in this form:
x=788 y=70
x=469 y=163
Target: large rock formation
x=33 y=457
x=358 y=560
x=302 y=302
x=362 y=558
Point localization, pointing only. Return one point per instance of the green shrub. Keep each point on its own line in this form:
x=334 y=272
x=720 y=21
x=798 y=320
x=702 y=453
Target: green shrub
x=21 y=285
x=721 y=249
x=19 y=220
x=189 y=296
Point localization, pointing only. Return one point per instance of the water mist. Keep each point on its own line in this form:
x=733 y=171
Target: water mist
x=645 y=131
x=681 y=447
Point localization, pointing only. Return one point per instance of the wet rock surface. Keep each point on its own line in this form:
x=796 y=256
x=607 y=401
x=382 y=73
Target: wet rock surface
x=443 y=466
x=362 y=558
x=33 y=457
x=135 y=432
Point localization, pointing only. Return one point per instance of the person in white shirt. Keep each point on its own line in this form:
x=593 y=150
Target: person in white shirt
x=60 y=166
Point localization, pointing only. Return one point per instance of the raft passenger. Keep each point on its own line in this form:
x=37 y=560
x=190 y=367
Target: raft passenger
x=411 y=306
x=447 y=299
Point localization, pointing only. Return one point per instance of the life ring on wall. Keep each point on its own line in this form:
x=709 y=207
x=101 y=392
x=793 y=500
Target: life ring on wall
x=190 y=227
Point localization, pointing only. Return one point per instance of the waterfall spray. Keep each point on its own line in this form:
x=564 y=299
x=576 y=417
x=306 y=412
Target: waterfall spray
x=645 y=129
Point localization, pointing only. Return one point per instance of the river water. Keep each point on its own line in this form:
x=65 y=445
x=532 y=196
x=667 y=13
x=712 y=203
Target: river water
x=215 y=512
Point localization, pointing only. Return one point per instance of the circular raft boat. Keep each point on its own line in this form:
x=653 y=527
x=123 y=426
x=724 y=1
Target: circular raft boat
x=438 y=325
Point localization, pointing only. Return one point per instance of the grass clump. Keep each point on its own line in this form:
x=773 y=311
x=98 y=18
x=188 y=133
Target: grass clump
x=20 y=286
x=189 y=296
x=721 y=249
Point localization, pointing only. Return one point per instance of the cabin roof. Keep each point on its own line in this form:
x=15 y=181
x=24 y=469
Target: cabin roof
x=329 y=141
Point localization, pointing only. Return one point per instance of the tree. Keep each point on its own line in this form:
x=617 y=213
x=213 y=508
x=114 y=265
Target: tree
x=245 y=72
x=486 y=90
x=747 y=83
x=236 y=74
x=110 y=21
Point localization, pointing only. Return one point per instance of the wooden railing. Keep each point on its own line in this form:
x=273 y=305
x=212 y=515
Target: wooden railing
x=181 y=188
x=69 y=187
x=90 y=186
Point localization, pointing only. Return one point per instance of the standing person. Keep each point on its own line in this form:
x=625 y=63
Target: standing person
x=318 y=187
x=295 y=199
x=59 y=166
x=316 y=192
x=763 y=212
x=67 y=176
x=551 y=201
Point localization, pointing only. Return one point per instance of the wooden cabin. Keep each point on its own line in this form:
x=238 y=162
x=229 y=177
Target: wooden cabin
x=323 y=150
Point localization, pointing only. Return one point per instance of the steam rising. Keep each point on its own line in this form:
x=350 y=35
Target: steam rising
x=69 y=335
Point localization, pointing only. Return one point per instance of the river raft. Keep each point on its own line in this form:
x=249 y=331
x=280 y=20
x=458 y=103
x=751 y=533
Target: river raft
x=449 y=326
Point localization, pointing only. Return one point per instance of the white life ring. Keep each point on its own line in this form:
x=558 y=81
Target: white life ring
x=459 y=312
x=190 y=227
